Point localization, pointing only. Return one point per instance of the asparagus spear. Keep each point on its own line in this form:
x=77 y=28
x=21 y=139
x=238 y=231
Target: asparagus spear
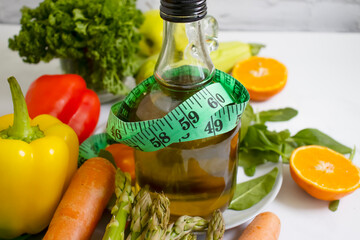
x=189 y=236
x=160 y=210
x=124 y=198
x=159 y=219
x=184 y=225
x=140 y=213
x=216 y=227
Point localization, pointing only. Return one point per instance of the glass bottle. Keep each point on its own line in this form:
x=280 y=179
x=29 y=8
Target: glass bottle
x=197 y=176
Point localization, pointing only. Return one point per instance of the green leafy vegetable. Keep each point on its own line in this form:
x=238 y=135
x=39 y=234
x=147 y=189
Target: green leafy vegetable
x=246 y=118
x=249 y=159
x=283 y=114
x=251 y=192
x=310 y=136
x=333 y=205
x=257 y=137
x=99 y=38
x=259 y=145
x=107 y=155
x=250 y=171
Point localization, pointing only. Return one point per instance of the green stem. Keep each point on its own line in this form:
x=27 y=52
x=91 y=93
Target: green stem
x=21 y=128
x=115 y=230
x=116 y=227
x=257 y=118
x=333 y=205
x=352 y=154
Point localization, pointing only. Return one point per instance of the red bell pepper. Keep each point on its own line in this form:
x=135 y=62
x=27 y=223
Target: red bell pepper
x=65 y=97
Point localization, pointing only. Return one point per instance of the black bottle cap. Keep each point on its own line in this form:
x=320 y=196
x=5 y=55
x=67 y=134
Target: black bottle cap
x=182 y=10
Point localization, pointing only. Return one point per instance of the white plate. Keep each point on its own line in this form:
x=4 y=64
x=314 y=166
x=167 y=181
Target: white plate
x=235 y=218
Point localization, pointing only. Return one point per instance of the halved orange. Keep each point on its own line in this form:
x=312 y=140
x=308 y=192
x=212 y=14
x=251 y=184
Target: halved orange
x=323 y=173
x=262 y=77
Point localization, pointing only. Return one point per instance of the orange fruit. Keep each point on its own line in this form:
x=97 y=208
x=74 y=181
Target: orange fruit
x=323 y=173
x=262 y=77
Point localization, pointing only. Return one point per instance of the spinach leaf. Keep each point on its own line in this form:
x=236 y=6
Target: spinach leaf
x=287 y=149
x=250 y=171
x=246 y=118
x=249 y=159
x=259 y=146
x=258 y=137
x=278 y=137
x=251 y=192
x=108 y=156
x=311 y=136
x=277 y=115
x=333 y=205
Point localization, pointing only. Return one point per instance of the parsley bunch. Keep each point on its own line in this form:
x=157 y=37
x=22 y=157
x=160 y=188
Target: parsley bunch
x=99 y=37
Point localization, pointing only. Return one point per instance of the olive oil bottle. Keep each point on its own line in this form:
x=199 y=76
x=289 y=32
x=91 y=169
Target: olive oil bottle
x=197 y=176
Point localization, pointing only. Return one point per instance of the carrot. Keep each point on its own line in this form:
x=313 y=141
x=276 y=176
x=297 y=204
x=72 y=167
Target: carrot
x=265 y=226
x=84 y=201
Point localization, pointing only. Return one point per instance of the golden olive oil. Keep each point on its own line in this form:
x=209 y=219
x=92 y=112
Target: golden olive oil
x=197 y=176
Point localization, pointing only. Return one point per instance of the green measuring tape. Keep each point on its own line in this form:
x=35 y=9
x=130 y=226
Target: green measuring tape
x=92 y=145
x=214 y=110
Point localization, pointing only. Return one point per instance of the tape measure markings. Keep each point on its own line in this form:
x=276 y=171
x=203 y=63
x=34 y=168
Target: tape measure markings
x=92 y=145
x=150 y=135
x=137 y=137
x=213 y=102
x=167 y=122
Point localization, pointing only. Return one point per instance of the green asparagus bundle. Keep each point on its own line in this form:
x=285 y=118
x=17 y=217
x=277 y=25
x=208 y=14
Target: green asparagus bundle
x=149 y=219
x=216 y=227
x=115 y=230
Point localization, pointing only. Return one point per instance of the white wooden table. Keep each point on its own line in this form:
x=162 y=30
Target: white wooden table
x=323 y=85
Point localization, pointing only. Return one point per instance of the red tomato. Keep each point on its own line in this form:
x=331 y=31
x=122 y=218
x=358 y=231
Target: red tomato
x=124 y=157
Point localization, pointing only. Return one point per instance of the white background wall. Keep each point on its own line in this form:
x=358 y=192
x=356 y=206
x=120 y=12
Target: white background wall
x=253 y=15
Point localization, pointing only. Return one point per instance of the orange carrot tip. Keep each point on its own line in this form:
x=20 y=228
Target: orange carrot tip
x=265 y=226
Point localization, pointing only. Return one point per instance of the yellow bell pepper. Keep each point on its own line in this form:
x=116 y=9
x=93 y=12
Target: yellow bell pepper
x=37 y=160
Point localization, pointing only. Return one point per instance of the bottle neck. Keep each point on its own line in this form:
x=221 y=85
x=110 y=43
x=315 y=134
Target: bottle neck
x=184 y=61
